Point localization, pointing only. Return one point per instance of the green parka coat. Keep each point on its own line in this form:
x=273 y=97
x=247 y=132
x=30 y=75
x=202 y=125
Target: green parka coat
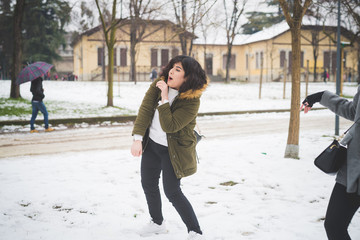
x=177 y=121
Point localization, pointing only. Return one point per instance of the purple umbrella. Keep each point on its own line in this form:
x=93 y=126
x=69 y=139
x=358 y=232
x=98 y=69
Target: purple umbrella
x=32 y=72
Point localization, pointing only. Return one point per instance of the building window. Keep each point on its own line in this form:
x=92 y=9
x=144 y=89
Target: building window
x=232 y=61
x=123 y=57
x=259 y=59
x=100 y=56
x=154 y=57
x=164 y=57
x=282 y=58
x=302 y=59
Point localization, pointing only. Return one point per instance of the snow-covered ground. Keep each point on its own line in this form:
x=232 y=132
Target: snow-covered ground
x=87 y=99
x=97 y=194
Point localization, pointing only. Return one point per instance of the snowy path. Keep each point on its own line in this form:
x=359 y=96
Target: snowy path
x=244 y=189
x=119 y=137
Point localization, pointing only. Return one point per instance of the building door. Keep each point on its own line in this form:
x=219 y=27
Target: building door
x=330 y=61
x=209 y=64
x=154 y=57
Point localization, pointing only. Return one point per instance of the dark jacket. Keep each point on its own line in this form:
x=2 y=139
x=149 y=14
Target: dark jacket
x=37 y=90
x=178 y=121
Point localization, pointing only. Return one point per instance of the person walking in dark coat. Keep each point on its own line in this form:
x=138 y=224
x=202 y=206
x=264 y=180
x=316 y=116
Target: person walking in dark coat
x=345 y=198
x=163 y=135
x=38 y=105
x=153 y=75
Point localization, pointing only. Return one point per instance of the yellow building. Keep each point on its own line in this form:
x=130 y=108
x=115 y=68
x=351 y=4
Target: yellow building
x=159 y=43
x=267 y=52
x=263 y=54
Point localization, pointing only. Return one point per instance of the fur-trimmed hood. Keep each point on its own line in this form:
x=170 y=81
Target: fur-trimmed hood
x=190 y=94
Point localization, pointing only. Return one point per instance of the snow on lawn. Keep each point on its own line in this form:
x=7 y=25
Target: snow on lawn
x=244 y=189
x=87 y=99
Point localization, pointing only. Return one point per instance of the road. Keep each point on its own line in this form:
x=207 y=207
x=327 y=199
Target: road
x=119 y=137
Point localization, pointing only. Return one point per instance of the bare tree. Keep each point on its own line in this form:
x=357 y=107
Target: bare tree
x=352 y=8
x=109 y=28
x=17 y=51
x=232 y=28
x=315 y=37
x=189 y=15
x=141 y=14
x=294 y=21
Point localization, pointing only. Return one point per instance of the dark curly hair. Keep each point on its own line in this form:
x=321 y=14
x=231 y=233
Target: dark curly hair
x=195 y=77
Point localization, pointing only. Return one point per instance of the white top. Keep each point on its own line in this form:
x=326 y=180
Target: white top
x=156 y=132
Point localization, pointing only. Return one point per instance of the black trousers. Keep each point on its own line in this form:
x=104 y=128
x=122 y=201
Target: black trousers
x=341 y=209
x=154 y=160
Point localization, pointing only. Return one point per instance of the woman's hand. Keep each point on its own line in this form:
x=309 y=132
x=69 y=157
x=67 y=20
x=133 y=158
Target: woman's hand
x=136 y=148
x=164 y=90
x=305 y=106
x=310 y=101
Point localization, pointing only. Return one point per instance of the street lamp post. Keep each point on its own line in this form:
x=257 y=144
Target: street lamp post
x=338 y=67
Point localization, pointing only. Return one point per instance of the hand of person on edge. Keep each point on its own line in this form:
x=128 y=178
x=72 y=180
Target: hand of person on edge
x=136 y=148
x=164 y=90
x=310 y=100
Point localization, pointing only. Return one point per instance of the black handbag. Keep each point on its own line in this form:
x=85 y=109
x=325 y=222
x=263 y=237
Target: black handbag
x=332 y=158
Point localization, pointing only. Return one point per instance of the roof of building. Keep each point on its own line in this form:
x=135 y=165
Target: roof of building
x=218 y=37
x=128 y=21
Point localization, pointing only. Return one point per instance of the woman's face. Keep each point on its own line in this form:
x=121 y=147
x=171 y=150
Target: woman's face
x=176 y=76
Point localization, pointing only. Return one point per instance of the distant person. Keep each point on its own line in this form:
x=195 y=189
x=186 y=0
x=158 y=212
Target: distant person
x=163 y=135
x=38 y=105
x=325 y=75
x=153 y=74
x=349 y=77
x=345 y=198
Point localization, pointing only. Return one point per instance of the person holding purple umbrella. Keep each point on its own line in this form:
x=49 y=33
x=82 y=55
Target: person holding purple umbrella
x=37 y=104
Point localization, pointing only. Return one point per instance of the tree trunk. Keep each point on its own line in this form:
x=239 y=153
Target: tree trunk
x=133 y=42
x=292 y=148
x=133 y=63
x=17 y=51
x=183 y=44
x=261 y=74
x=110 y=74
x=315 y=66
x=228 y=58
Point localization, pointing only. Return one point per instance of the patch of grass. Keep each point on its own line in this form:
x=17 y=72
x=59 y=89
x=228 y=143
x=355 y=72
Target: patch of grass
x=229 y=183
x=22 y=108
x=14 y=107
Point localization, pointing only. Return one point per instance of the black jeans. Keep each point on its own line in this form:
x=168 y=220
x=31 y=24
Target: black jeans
x=341 y=209
x=154 y=160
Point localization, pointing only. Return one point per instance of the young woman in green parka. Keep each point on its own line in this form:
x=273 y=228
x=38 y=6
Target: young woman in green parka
x=163 y=135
